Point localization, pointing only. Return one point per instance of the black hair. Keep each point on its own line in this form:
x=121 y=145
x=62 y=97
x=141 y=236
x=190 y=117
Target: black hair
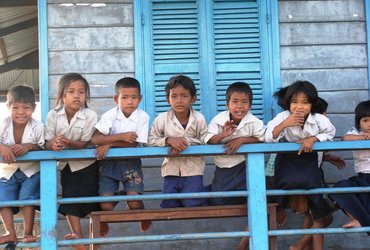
x=64 y=83
x=321 y=106
x=181 y=80
x=280 y=96
x=240 y=87
x=127 y=82
x=22 y=94
x=306 y=88
x=362 y=110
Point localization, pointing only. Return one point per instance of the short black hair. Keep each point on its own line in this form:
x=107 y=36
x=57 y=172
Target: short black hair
x=181 y=80
x=306 y=88
x=241 y=87
x=127 y=82
x=362 y=110
x=22 y=94
x=280 y=96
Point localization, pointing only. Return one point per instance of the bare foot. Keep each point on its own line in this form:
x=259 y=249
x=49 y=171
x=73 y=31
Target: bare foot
x=104 y=229
x=73 y=236
x=28 y=238
x=302 y=205
x=145 y=225
x=352 y=223
x=8 y=238
x=281 y=217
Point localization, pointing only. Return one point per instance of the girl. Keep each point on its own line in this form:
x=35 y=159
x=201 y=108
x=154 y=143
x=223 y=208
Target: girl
x=301 y=123
x=357 y=206
x=70 y=126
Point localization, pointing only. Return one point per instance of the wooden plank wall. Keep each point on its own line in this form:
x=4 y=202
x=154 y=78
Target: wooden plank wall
x=97 y=42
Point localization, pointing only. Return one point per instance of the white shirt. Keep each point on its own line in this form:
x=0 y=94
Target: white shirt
x=167 y=125
x=115 y=122
x=81 y=128
x=316 y=125
x=249 y=126
x=33 y=133
x=361 y=158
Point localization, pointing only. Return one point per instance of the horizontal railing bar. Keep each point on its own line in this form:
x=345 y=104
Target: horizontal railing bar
x=22 y=245
x=189 y=195
x=287 y=232
x=145 y=152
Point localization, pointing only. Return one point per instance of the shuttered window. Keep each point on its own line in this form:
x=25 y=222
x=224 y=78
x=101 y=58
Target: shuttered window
x=214 y=42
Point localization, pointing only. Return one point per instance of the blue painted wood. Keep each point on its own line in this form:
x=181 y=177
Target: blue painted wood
x=43 y=58
x=257 y=213
x=367 y=14
x=48 y=189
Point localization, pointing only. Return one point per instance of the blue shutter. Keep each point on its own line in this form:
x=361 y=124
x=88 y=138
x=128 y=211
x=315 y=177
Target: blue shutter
x=237 y=49
x=175 y=46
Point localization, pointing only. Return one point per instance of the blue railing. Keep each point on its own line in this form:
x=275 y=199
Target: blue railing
x=257 y=211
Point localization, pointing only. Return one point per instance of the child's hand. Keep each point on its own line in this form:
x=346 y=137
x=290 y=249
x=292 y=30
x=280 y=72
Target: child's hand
x=173 y=152
x=101 y=151
x=129 y=137
x=335 y=160
x=7 y=154
x=177 y=144
x=59 y=143
x=233 y=145
x=366 y=136
x=294 y=119
x=228 y=128
x=19 y=149
x=307 y=144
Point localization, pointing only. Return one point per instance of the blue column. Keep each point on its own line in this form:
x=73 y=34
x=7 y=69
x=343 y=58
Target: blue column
x=257 y=210
x=48 y=203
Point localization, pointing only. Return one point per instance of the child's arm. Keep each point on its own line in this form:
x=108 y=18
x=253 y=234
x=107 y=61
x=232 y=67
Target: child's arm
x=227 y=129
x=21 y=149
x=335 y=160
x=294 y=119
x=352 y=137
x=7 y=154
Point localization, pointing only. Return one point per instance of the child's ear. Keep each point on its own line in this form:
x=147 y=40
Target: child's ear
x=115 y=98
x=34 y=107
x=193 y=99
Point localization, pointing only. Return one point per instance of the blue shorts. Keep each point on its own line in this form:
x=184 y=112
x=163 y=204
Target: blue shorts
x=188 y=184
x=20 y=187
x=127 y=171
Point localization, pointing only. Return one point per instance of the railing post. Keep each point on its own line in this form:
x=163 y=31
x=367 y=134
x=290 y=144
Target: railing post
x=48 y=205
x=257 y=210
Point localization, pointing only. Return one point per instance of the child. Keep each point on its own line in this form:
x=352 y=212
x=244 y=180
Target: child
x=70 y=126
x=233 y=127
x=19 y=133
x=302 y=123
x=357 y=205
x=179 y=128
x=123 y=126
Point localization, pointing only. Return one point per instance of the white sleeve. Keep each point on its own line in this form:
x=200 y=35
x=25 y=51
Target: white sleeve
x=213 y=129
x=50 y=125
x=326 y=128
x=105 y=125
x=143 y=130
x=270 y=127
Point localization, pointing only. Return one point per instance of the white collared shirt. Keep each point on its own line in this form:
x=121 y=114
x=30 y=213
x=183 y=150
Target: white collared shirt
x=249 y=126
x=316 y=125
x=361 y=158
x=167 y=125
x=33 y=133
x=80 y=128
x=115 y=122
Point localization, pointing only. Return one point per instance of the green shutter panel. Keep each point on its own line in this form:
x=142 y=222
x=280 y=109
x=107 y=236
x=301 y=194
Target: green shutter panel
x=237 y=50
x=175 y=46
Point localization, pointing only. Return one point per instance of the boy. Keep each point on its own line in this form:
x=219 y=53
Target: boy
x=179 y=128
x=123 y=126
x=19 y=133
x=233 y=127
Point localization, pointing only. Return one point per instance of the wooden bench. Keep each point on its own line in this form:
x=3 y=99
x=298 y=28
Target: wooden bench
x=183 y=213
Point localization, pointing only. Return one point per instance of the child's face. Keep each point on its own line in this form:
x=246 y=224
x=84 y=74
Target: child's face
x=238 y=105
x=75 y=96
x=299 y=104
x=180 y=99
x=365 y=124
x=21 y=112
x=128 y=99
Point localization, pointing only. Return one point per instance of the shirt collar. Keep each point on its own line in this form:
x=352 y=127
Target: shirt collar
x=134 y=116
x=172 y=115
x=79 y=114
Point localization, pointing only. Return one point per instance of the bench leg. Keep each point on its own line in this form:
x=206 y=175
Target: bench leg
x=272 y=226
x=94 y=231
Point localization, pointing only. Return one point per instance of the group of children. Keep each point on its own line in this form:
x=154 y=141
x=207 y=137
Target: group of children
x=72 y=125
